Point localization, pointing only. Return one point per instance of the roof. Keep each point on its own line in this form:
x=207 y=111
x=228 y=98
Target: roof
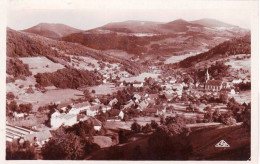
x=79 y=105
x=150 y=110
x=94 y=121
x=97 y=107
x=214 y=82
x=64 y=105
x=114 y=112
x=66 y=116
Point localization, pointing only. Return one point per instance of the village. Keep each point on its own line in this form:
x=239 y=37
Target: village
x=142 y=102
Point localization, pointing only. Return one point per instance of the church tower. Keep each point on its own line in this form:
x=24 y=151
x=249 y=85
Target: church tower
x=207 y=76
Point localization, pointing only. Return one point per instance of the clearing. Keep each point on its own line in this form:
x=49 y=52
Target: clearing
x=41 y=64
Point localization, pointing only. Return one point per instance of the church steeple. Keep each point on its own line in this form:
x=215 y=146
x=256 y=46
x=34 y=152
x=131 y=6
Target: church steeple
x=207 y=75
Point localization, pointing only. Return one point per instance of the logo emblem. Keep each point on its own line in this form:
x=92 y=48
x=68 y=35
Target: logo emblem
x=222 y=143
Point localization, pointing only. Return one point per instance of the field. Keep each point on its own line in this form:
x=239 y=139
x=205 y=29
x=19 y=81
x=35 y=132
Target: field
x=127 y=124
x=103 y=89
x=41 y=64
x=140 y=77
x=243 y=96
x=40 y=99
x=176 y=59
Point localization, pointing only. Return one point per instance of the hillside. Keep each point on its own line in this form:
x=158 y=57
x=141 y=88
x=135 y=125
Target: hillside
x=21 y=44
x=241 y=45
x=200 y=145
x=52 y=30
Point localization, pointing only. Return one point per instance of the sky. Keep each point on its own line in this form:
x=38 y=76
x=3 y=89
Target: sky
x=88 y=14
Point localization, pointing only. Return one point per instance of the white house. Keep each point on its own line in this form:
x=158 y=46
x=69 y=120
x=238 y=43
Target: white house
x=237 y=81
x=80 y=107
x=58 y=119
x=113 y=102
x=138 y=84
x=18 y=115
x=121 y=114
x=137 y=97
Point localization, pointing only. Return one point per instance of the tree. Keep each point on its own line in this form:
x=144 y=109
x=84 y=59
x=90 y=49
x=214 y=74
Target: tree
x=135 y=127
x=12 y=106
x=223 y=98
x=87 y=94
x=154 y=124
x=15 y=151
x=227 y=118
x=25 y=108
x=10 y=96
x=122 y=136
x=208 y=117
x=147 y=128
x=216 y=115
x=63 y=146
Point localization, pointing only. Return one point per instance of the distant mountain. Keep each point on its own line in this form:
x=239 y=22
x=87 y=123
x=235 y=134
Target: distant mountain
x=131 y=26
x=212 y=23
x=52 y=30
x=157 y=38
x=179 y=25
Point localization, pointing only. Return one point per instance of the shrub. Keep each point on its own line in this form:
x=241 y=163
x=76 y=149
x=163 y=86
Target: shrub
x=10 y=96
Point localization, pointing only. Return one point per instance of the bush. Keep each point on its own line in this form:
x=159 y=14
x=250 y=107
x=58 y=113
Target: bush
x=10 y=96
x=135 y=127
x=147 y=128
x=154 y=124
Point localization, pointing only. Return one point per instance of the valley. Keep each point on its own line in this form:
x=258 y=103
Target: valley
x=133 y=90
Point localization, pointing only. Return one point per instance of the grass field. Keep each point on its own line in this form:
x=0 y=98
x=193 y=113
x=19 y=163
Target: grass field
x=41 y=64
x=104 y=89
x=176 y=59
x=40 y=99
x=243 y=96
x=140 y=77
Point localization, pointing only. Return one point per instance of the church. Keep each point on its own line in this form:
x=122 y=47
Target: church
x=214 y=85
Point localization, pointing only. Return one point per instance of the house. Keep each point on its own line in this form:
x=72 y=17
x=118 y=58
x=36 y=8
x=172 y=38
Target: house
x=137 y=84
x=58 y=119
x=80 y=107
x=150 y=111
x=93 y=110
x=160 y=110
x=177 y=88
x=64 y=106
x=113 y=102
x=96 y=101
x=95 y=122
x=18 y=115
x=237 y=81
x=115 y=114
x=129 y=105
x=142 y=105
x=137 y=97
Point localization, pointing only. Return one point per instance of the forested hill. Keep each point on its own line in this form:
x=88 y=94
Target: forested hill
x=241 y=45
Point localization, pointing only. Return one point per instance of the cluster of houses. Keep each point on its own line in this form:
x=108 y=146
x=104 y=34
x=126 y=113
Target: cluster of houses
x=68 y=113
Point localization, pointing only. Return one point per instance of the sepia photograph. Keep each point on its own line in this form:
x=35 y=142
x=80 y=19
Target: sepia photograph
x=129 y=81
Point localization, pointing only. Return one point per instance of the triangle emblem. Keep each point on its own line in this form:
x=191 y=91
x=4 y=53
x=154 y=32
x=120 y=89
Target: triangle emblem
x=222 y=143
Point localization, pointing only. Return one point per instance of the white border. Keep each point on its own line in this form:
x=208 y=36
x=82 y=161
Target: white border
x=141 y=4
